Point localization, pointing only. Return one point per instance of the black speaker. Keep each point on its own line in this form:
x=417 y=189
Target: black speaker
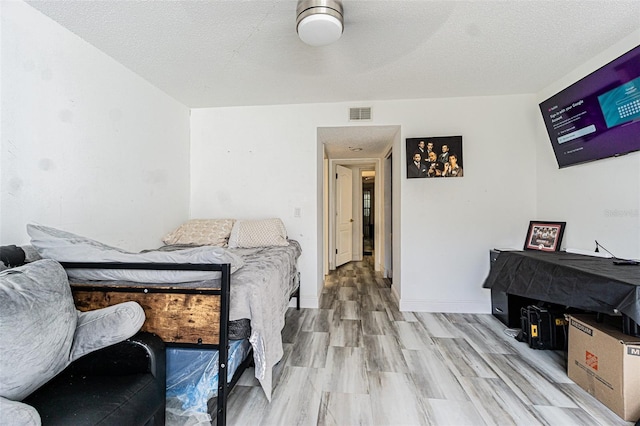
x=506 y=307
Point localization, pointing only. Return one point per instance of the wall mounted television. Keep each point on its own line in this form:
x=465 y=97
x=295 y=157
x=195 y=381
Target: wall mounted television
x=598 y=116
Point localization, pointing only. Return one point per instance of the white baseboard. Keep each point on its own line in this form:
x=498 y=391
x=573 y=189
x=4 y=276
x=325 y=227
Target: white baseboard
x=395 y=296
x=452 y=306
x=306 y=302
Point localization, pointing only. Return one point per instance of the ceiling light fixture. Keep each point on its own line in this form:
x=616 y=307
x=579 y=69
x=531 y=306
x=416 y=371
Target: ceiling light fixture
x=319 y=22
x=355 y=149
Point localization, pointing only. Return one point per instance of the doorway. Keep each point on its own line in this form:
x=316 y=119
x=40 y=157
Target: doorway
x=364 y=214
x=360 y=148
x=368 y=179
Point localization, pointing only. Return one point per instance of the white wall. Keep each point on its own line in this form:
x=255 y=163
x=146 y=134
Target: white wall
x=264 y=161
x=598 y=200
x=87 y=145
x=449 y=225
x=260 y=162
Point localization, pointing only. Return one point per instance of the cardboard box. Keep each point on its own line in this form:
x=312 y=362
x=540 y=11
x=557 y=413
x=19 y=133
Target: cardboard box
x=606 y=363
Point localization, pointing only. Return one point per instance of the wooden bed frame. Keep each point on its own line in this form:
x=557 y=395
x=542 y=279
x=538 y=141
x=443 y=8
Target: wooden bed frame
x=181 y=316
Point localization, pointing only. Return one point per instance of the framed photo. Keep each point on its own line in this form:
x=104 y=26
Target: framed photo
x=544 y=236
x=434 y=157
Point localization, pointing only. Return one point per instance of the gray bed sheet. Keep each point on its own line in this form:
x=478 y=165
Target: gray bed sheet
x=260 y=292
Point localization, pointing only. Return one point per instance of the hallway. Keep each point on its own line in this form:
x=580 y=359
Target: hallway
x=358 y=360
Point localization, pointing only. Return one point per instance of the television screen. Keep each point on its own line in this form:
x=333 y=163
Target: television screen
x=598 y=116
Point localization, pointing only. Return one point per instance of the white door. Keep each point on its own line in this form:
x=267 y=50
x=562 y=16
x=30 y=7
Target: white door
x=344 y=219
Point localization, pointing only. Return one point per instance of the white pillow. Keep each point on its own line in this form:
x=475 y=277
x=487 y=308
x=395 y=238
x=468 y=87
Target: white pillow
x=258 y=233
x=201 y=232
x=67 y=247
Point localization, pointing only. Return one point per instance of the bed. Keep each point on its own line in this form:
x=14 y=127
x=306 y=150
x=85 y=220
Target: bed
x=199 y=316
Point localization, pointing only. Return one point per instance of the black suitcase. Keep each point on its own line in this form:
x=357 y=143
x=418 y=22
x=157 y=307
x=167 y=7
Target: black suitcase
x=543 y=328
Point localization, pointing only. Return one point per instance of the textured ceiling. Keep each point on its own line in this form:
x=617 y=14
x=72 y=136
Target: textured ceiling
x=357 y=141
x=234 y=53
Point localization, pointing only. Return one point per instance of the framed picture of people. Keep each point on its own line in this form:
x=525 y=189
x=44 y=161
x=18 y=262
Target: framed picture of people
x=544 y=236
x=434 y=157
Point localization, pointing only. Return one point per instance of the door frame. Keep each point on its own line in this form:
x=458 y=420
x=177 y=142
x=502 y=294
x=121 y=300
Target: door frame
x=358 y=164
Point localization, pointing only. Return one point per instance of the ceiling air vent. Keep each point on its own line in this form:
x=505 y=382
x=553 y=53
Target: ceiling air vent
x=359 y=114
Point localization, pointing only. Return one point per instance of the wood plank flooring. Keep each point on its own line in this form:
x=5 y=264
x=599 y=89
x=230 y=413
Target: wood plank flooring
x=359 y=361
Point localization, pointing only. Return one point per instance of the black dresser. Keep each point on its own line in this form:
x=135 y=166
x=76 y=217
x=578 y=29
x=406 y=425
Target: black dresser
x=521 y=278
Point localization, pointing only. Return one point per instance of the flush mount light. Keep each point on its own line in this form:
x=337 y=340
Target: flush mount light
x=355 y=149
x=319 y=22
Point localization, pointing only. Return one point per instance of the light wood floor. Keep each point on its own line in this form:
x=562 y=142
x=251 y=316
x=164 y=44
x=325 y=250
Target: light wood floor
x=359 y=361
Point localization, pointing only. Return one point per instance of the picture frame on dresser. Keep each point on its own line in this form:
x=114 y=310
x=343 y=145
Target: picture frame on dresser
x=544 y=235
